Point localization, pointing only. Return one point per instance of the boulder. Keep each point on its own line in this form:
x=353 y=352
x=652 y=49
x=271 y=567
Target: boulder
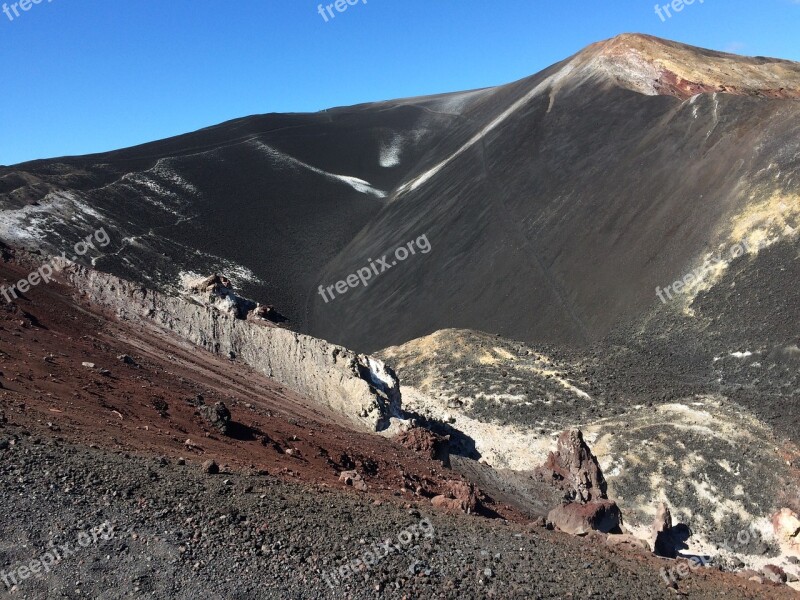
x=211 y=467
x=354 y=479
x=459 y=496
x=127 y=360
x=266 y=313
x=218 y=416
x=576 y=518
x=446 y=504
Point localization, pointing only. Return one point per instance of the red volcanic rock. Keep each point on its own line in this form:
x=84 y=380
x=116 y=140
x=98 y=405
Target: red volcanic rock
x=661 y=533
x=579 y=519
x=447 y=504
x=573 y=468
x=459 y=496
x=427 y=443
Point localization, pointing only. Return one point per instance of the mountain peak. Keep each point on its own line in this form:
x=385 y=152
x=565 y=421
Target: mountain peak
x=655 y=66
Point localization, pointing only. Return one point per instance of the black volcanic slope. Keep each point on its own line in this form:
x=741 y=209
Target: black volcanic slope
x=554 y=206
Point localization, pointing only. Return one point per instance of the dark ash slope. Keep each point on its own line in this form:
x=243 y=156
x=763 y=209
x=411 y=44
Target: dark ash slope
x=554 y=205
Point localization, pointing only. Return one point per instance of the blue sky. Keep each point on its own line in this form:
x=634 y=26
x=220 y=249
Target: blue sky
x=83 y=76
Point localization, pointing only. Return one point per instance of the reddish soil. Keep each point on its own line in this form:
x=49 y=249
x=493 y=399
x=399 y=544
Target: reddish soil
x=147 y=408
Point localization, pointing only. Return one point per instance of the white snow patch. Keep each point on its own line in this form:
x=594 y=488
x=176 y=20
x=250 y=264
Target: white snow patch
x=390 y=153
x=741 y=354
x=379 y=374
x=357 y=184
x=31 y=224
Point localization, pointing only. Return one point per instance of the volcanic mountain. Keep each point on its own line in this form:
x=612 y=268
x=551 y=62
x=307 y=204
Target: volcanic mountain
x=554 y=206
x=609 y=246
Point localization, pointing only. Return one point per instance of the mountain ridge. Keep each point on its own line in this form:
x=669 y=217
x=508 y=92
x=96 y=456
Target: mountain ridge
x=521 y=189
x=657 y=46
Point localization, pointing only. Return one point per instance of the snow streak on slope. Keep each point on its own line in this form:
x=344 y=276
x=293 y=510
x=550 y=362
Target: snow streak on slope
x=354 y=182
x=417 y=182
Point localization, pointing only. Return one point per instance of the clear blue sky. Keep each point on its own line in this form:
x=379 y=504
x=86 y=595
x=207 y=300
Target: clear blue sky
x=81 y=76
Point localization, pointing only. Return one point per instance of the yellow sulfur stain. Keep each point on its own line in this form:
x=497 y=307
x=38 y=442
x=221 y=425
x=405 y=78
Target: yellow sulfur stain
x=488 y=359
x=758 y=226
x=504 y=353
x=768 y=221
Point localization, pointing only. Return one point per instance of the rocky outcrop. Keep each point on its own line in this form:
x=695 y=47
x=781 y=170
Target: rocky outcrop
x=574 y=469
x=661 y=535
x=361 y=388
x=217 y=290
x=426 y=442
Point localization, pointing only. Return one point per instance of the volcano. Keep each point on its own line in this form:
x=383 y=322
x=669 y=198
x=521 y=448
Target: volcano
x=554 y=205
x=428 y=300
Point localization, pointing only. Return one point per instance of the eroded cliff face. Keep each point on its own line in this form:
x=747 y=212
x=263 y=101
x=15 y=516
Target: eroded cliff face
x=359 y=387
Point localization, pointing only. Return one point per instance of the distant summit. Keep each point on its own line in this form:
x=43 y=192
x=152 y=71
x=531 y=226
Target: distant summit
x=655 y=66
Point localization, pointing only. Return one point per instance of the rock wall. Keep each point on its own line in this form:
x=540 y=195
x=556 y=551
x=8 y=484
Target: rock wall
x=359 y=387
